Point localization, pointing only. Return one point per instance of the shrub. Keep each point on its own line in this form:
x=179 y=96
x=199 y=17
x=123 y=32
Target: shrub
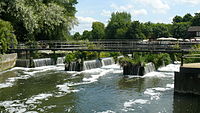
x=7 y=38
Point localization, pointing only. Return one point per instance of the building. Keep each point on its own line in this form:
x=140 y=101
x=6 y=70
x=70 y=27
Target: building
x=194 y=32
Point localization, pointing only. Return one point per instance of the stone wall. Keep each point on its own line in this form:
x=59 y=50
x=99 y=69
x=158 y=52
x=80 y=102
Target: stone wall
x=7 y=61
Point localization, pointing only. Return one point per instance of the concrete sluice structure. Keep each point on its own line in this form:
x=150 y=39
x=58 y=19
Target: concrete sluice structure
x=7 y=61
x=38 y=62
x=187 y=81
x=90 y=64
x=137 y=70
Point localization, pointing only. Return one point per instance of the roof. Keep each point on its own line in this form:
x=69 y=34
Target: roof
x=194 y=28
x=167 y=39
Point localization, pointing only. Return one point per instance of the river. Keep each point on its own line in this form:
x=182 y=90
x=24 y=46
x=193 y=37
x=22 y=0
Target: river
x=49 y=89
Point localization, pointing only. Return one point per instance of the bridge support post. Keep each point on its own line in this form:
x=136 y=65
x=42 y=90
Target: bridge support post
x=182 y=57
x=54 y=57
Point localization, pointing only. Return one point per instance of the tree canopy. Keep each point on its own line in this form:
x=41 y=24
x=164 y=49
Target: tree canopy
x=40 y=19
x=7 y=37
x=118 y=25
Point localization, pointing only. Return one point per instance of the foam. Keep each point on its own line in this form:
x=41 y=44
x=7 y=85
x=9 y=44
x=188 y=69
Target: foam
x=154 y=74
x=170 y=68
x=65 y=88
x=36 y=99
x=152 y=93
x=137 y=101
x=108 y=111
x=170 y=86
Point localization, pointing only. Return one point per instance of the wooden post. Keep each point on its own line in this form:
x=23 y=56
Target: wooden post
x=182 y=57
x=54 y=57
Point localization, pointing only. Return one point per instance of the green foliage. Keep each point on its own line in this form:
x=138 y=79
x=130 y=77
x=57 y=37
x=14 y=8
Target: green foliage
x=187 y=18
x=70 y=57
x=179 y=30
x=7 y=37
x=118 y=25
x=177 y=19
x=104 y=54
x=40 y=19
x=77 y=36
x=98 y=30
x=196 y=20
x=135 y=31
x=160 y=30
x=195 y=53
x=143 y=58
x=86 y=35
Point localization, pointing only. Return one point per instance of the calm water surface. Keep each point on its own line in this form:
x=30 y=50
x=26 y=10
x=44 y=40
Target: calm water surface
x=51 y=90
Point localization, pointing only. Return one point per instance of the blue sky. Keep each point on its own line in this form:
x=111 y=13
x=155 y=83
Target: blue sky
x=143 y=10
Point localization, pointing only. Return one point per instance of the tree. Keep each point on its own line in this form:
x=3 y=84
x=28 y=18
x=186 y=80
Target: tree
x=40 y=19
x=187 y=18
x=7 y=38
x=196 y=20
x=135 y=31
x=77 y=36
x=147 y=30
x=118 y=25
x=160 y=30
x=177 y=19
x=98 y=30
x=179 y=30
x=87 y=35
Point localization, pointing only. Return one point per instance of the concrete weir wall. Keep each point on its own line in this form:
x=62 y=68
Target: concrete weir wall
x=7 y=61
x=187 y=81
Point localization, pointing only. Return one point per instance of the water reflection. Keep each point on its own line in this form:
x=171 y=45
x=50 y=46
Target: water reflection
x=139 y=83
x=186 y=104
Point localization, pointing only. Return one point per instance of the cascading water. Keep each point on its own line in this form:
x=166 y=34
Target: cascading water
x=43 y=62
x=60 y=60
x=91 y=64
x=107 y=61
x=149 y=68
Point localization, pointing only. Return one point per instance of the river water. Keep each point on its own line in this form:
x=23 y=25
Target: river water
x=49 y=89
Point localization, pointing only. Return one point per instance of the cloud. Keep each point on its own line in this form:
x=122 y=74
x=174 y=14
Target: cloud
x=86 y=19
x=85 y=23
x=125 y=8
x=194 y=2
x=139 y=12
x=158 y=5
x=106 y=13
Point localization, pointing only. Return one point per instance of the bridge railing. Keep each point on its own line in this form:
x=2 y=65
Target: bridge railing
x=113 y=44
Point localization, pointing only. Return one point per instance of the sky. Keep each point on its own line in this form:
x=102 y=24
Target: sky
x=161 y=11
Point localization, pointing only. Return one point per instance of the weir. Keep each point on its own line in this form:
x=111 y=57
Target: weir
x=134 y=69
x=107 y=61
x=43 y=62
x=60 y=60
x=91 y=64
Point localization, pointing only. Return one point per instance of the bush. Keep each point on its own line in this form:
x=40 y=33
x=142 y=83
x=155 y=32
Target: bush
x=193 y=54
x=7 y=38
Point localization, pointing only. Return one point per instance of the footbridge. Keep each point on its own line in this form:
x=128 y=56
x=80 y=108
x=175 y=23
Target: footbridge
x=110 y=46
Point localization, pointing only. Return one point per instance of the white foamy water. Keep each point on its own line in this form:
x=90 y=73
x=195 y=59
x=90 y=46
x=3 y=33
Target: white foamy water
x=28 y=72
x=130 y=103
x=170 y=68
x=108 y=111
x=37 y=98
x=20 y=106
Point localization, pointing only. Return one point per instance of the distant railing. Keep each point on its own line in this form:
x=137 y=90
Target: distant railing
x=114 y=44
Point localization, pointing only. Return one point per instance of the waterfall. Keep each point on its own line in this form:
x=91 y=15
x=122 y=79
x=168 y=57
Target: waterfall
x=107 y=61
x=60 y=60
x=149 y=68
x=23 y=63
x=91 y=64
x=43 y=62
